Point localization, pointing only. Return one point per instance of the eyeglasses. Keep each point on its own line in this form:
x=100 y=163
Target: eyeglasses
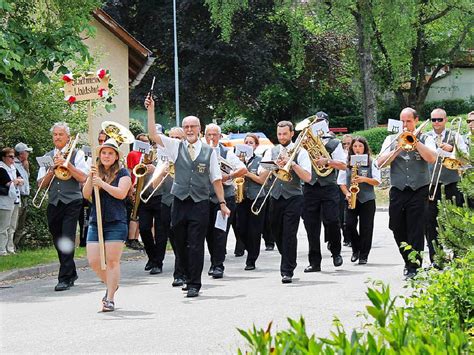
x=470 y=120
x=10 y=156
x=437 y=119
x=190 y=127
x=346 y=143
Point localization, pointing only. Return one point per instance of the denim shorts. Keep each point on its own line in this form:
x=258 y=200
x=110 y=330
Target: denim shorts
x=113 y=232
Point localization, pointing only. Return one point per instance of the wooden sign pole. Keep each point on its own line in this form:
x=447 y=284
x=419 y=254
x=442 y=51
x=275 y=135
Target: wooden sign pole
x=98 y=208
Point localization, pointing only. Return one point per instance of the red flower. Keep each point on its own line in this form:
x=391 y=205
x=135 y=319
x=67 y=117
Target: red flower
x=70 y=99
x=67 y=77
x=101 y=73
x=103 y=93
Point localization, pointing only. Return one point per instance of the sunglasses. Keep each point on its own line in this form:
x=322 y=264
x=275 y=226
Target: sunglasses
x=10 y=156
x=437 y=119
x=469 y=121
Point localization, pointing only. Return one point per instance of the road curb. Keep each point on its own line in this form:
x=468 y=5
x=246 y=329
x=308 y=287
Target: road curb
x=35 y=271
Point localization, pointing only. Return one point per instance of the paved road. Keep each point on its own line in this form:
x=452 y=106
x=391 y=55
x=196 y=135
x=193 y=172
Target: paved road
x=153 y=317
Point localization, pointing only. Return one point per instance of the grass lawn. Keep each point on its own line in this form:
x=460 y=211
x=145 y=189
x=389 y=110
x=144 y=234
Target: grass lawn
x=28 y=258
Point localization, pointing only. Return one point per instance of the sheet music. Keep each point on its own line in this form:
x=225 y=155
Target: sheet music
x=244 y=149
x=87 y=151
x=320 y=128
x=359 y=159
x=45 y=162
x=395 y=126
x=269 y=165
x=221 y=221
x=142 y=147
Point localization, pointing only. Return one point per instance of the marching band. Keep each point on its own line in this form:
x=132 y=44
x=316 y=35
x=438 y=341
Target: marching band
x=189 y=191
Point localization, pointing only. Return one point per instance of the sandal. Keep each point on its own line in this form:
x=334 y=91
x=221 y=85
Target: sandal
x=105 y=297
x=108 y=306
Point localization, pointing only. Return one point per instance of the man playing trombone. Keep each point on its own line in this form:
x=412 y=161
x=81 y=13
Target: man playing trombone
x=446 y=140
x=65 y=200
x=286 y=203
x=233 y=168
x=409 y=176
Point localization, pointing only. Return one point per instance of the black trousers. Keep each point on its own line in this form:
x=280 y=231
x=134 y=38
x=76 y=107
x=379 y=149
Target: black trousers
x=239 y=244
x=217 y=238
x=285 y=219
x=250 y=227
x=62 y=223
x=166 y=227
x=431 y=231
x=406 y=220
x=364 y=214
x=267 y=227
x=149 y=215
x=321 y=202
x=189 y=221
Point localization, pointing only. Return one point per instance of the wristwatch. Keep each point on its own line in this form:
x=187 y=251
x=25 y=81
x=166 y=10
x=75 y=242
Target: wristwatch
x=222 y=203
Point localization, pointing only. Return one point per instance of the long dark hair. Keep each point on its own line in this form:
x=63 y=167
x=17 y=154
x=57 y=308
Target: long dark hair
x=351 y=148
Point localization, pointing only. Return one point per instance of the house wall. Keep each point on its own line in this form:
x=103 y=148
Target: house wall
x=458 y=84
x=112 y=54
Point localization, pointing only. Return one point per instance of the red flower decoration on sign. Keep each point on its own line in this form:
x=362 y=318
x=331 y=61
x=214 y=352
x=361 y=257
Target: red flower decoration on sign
x=101 y=73
x=103 y=93
x=70 y=99
x=67 y=77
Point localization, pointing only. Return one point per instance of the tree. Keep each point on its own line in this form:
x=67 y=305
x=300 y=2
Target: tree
x=36 y=38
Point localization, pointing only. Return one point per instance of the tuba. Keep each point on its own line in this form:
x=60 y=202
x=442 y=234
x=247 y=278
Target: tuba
x=353 y=189
x=315 y=146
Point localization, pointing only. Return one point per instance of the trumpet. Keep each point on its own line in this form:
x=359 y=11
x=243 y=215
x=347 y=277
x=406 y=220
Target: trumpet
x=354 y=189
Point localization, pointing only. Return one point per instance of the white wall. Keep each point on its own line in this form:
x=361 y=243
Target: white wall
x=458 y=84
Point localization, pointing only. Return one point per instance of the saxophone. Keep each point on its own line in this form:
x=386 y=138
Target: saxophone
x=239 y=184
x=354 y=188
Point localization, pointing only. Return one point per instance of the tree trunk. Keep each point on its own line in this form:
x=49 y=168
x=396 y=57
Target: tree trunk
x=369 y=100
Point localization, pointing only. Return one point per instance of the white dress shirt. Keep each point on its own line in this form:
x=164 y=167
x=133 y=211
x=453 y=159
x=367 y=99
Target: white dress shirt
x=171 y=146
x=429 y=143
x=79 y=162
x=234 y=161
x=461 y=145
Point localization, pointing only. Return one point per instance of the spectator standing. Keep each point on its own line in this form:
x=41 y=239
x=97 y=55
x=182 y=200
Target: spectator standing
x=22 y=165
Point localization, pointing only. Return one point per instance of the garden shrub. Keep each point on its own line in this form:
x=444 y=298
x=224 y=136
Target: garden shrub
x=374 y=136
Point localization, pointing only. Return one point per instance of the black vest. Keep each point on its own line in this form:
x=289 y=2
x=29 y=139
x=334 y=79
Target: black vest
x=366 y=192
x=447 y=176
x=64 y=190
x=251 y=188
x=283 y=188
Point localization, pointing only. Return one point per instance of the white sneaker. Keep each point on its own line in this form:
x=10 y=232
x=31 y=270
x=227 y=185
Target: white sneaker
x=3 y=253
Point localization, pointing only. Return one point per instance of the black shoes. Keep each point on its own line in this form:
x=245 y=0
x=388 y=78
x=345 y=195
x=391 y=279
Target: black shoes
x=178 y=282
x=62 y=286
x=269 y=247
x=355 y=257
x=362 y=261
x=312 y=268
x=218 y=272
x=250 y=267
x=410 y=274
x=134 y=244
x=184 y=288
x=286 y=279
x=192 y=292
x=337 y=260
x=239 y=253
x=148 y=265
x=156 y=270
x=347 y=244
x=71 y=281
x=211 y=270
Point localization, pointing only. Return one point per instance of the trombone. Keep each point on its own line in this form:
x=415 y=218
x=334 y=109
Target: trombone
x=405 y=140
x=283 y=173
x=161 y=173
x=61 y=172
x=453 y=162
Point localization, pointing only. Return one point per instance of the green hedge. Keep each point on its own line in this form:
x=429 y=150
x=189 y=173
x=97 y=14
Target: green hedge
x=452 y=107
x=374 y=136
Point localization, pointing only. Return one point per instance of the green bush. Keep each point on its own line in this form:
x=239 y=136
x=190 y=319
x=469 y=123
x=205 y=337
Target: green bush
x=374 y=136
x=452 y=107
x=431 y=324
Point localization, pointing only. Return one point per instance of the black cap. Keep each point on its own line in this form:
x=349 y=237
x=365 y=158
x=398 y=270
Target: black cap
x=322 y=115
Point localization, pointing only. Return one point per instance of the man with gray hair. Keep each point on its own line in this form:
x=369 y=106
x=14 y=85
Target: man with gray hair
x=65 y=201
x=217 y=238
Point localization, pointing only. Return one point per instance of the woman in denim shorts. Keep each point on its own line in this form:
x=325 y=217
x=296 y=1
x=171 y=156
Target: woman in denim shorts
x=114 y=183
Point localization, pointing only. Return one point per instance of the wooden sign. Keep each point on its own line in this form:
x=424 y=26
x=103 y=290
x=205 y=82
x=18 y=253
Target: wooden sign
x=89 y=87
